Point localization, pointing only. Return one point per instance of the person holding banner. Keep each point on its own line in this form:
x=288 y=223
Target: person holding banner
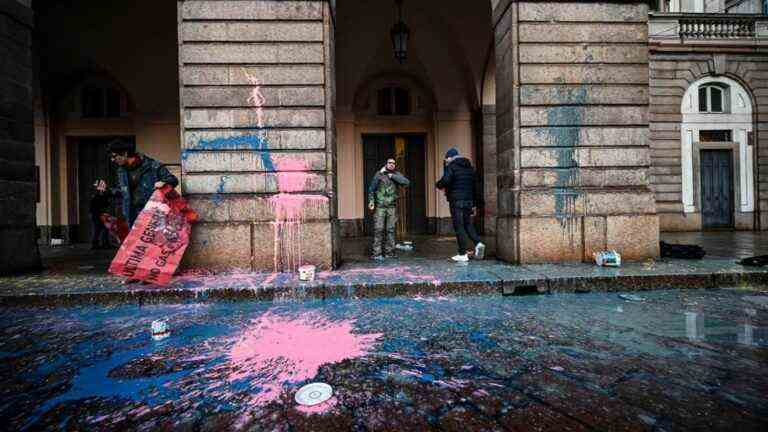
x=139 y=175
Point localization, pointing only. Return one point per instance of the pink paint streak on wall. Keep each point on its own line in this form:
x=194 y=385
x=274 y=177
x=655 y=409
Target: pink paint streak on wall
x=291 y=209
x=275 y=350
x=256 y=99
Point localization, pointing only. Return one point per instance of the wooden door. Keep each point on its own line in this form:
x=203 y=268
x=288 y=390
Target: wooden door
x=716 y=189
x=410 y=153
x=376 y=150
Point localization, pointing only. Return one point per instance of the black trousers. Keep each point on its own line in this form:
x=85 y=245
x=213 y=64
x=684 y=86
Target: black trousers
x=461 y=216
x=99 y=234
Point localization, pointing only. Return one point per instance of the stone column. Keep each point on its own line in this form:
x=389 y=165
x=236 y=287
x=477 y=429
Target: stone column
x=489 y=168
x=18 y=184
x=572 y=131
x=257 y=141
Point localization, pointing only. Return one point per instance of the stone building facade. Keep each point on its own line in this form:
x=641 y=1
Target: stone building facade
x=274 y=114
x=707 y=88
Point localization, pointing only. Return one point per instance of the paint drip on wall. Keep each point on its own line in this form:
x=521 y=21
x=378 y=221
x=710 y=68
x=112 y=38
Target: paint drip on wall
x=564 y=135
x=291 y=210
x=256 y=99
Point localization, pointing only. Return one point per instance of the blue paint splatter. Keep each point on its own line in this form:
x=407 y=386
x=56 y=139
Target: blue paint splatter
x=253 y=142
x=564 y=133
x=217 y=198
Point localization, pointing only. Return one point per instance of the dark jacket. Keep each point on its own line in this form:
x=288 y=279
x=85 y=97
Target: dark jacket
x=149 y=172
x=383 y=189
x=99 y=203
x=460 y=183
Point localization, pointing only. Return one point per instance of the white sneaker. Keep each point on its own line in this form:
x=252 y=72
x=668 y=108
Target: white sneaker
x=461 y=258
x=480 y=251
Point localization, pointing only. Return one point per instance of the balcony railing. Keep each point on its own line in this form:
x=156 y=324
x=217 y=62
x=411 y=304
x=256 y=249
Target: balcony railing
x=716 y=28
x=707 y=28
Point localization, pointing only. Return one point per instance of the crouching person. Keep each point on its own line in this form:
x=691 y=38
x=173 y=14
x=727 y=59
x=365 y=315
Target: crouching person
x=139 y=175
x=382 y=200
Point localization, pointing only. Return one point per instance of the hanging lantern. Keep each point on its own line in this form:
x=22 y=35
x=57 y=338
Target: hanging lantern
x=399 y=35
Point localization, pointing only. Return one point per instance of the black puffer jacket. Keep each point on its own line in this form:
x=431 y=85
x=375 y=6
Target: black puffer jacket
x=460 y=183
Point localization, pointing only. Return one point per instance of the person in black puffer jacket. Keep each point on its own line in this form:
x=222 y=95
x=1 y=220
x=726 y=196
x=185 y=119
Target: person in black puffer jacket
x=460 y=185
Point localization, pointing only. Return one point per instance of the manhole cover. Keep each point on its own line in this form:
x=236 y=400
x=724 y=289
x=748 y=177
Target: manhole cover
x=313 y=394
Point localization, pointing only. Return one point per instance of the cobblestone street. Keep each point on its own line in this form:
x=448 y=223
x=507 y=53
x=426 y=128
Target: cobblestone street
x=665 y=361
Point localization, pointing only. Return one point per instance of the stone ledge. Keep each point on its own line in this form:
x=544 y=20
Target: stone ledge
x=368 y=281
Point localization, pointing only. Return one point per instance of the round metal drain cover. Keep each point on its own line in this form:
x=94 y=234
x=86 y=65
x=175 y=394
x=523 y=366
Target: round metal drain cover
x=313 y=394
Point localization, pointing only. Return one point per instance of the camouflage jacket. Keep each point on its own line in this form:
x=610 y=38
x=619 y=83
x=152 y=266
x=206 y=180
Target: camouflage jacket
x=383 y=189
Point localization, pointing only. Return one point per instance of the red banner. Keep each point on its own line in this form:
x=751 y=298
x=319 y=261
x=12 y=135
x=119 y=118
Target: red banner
x=154 y=247
x=117 y=227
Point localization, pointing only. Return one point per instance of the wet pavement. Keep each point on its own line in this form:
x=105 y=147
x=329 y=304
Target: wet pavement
x=663 y=361
x=74 y=275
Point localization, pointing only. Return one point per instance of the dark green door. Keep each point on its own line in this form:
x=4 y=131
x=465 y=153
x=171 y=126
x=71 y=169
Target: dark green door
x=716 y=189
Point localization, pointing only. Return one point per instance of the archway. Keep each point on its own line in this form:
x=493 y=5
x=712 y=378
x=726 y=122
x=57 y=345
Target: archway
x=717 y=153
x=444 y=75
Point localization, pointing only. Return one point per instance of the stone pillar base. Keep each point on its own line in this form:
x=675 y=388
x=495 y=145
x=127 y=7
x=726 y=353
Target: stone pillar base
x=253 y=247
x=531 y=240
x=18 y=251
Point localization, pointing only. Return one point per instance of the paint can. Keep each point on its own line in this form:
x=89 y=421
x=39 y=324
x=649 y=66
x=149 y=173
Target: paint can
x=307 y=273
x=160 y=330
x=608 y=258
x=313 y=394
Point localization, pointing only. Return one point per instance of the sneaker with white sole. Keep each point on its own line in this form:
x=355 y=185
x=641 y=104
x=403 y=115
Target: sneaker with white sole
x=461 y=258
x=480 y=251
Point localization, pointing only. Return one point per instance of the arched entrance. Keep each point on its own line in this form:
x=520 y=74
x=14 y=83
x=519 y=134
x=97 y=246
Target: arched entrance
x=717 y=153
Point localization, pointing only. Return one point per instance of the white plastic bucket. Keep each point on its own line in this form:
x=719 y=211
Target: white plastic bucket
x=307 y=273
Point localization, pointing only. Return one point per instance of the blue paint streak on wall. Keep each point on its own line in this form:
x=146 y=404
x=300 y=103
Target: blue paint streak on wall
x=217 y=199
x=564 y=133
x=253 y=142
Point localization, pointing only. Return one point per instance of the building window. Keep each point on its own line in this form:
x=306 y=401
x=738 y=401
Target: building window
x=394 y=101
x=100 y=102
x=713 y=98
x=715 y=135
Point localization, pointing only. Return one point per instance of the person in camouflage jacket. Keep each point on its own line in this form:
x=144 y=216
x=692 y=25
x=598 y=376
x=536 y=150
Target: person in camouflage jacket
x=382 y=200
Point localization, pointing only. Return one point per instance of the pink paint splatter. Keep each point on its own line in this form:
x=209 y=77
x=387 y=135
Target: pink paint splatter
x=276 y=350
x=321 y=408
x=256 y=99
x=290 y=212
